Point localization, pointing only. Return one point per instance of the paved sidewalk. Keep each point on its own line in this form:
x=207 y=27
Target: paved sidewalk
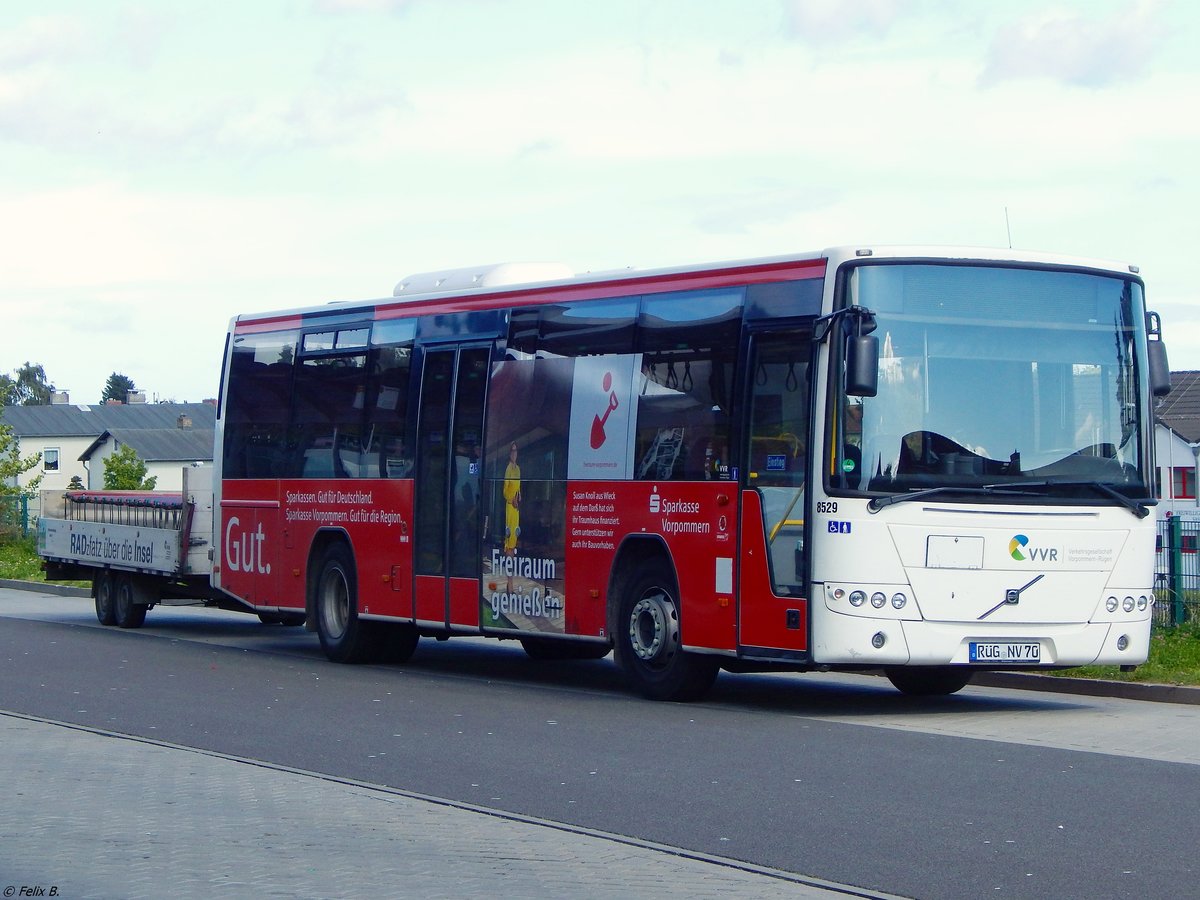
x=94 y=815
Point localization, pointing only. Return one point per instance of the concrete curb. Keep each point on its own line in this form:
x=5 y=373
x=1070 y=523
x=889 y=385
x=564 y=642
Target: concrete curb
x=61 y=590
x=1023 y=681
x=1091 y=687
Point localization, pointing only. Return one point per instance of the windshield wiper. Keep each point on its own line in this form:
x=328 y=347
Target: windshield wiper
x=991 y=490
x=1139 y=507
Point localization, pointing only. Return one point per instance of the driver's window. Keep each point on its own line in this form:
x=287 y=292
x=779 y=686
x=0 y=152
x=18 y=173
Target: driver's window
x=777 y=455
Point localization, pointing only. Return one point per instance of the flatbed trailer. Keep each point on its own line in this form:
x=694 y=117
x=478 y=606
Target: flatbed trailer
x=137 y=548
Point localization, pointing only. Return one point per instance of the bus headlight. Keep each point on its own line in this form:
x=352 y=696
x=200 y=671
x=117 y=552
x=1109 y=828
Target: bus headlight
x=1143 y=602
x=1127 y=605
x=1111 y=604
x=873 y=601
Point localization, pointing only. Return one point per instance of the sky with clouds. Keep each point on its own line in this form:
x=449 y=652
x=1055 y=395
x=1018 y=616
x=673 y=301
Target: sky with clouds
x=167 y=165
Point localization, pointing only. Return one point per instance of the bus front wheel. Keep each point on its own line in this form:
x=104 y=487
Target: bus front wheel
x=929 y=681
x=647 y=642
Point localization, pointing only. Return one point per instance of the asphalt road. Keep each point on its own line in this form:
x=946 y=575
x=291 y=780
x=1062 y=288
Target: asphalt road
x=988 y=793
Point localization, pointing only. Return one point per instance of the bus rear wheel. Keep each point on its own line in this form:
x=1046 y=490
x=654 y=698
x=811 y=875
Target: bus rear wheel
x=929 y=681
x=647 y=643
x=345 y=638
x=398 y=641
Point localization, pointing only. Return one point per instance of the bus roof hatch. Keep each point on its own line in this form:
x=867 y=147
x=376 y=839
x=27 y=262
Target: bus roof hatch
x=489 y=276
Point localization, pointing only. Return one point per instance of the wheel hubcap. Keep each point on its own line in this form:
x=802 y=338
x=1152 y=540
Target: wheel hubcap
x=335 y=604
x=652 y=628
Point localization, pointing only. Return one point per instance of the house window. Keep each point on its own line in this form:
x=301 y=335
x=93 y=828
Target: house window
x=1183 y=483
x=50 y=459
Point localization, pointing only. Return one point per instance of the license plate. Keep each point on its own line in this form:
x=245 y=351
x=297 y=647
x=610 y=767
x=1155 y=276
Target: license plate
x=1005 y=652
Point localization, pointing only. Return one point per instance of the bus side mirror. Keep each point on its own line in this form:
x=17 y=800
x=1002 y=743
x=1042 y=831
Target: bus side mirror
x=862 y=366
x=1156 y=354
x=1160 y=372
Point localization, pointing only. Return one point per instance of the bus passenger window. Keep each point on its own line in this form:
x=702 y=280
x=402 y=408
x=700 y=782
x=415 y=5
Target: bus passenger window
x=688 y=343
x=256 y=405
x=387 y=449
x=327 y=413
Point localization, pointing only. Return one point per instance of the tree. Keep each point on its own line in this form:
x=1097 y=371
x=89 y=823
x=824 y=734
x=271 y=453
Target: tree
x=13 y=465
x=125 y=471
x=28 y=388
x=117 y=388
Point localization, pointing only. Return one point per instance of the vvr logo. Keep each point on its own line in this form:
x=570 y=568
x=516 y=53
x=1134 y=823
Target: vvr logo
x=1018 y=547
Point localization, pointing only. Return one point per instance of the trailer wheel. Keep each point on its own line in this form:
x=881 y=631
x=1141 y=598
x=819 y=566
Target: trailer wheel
x=129 y=613
x=647 y=642
x=929 y=681
x=104 y=590
x=344 y=637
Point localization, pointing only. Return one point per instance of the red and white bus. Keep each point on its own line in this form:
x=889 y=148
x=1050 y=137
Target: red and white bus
x=910 y=459
x=920 y=460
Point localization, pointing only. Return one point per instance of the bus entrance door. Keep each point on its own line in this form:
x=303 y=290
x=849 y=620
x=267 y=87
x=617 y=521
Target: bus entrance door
x=773 y=611
x=449 y=469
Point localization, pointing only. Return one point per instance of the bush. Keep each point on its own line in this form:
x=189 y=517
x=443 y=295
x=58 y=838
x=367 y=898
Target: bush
x=1174 y=659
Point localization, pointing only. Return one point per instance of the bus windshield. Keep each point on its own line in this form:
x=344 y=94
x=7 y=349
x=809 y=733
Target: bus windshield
x=1013 y=378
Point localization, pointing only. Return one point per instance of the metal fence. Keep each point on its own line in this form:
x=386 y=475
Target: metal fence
x=1177 y=572
x=17 y=515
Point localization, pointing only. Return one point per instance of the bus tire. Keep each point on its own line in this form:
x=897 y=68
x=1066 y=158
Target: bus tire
x=399 y=641
x=647 y=639
x=127 y=611
x=550 y=649
x=929 y=681
x=345 y=638
x=104 y=590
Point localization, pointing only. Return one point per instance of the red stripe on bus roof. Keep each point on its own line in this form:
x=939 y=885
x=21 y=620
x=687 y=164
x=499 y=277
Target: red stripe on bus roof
x=271 y=323
x=398 y=308
x=792 y=270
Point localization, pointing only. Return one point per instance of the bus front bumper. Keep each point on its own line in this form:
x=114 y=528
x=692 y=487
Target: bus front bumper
x=850 y=640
